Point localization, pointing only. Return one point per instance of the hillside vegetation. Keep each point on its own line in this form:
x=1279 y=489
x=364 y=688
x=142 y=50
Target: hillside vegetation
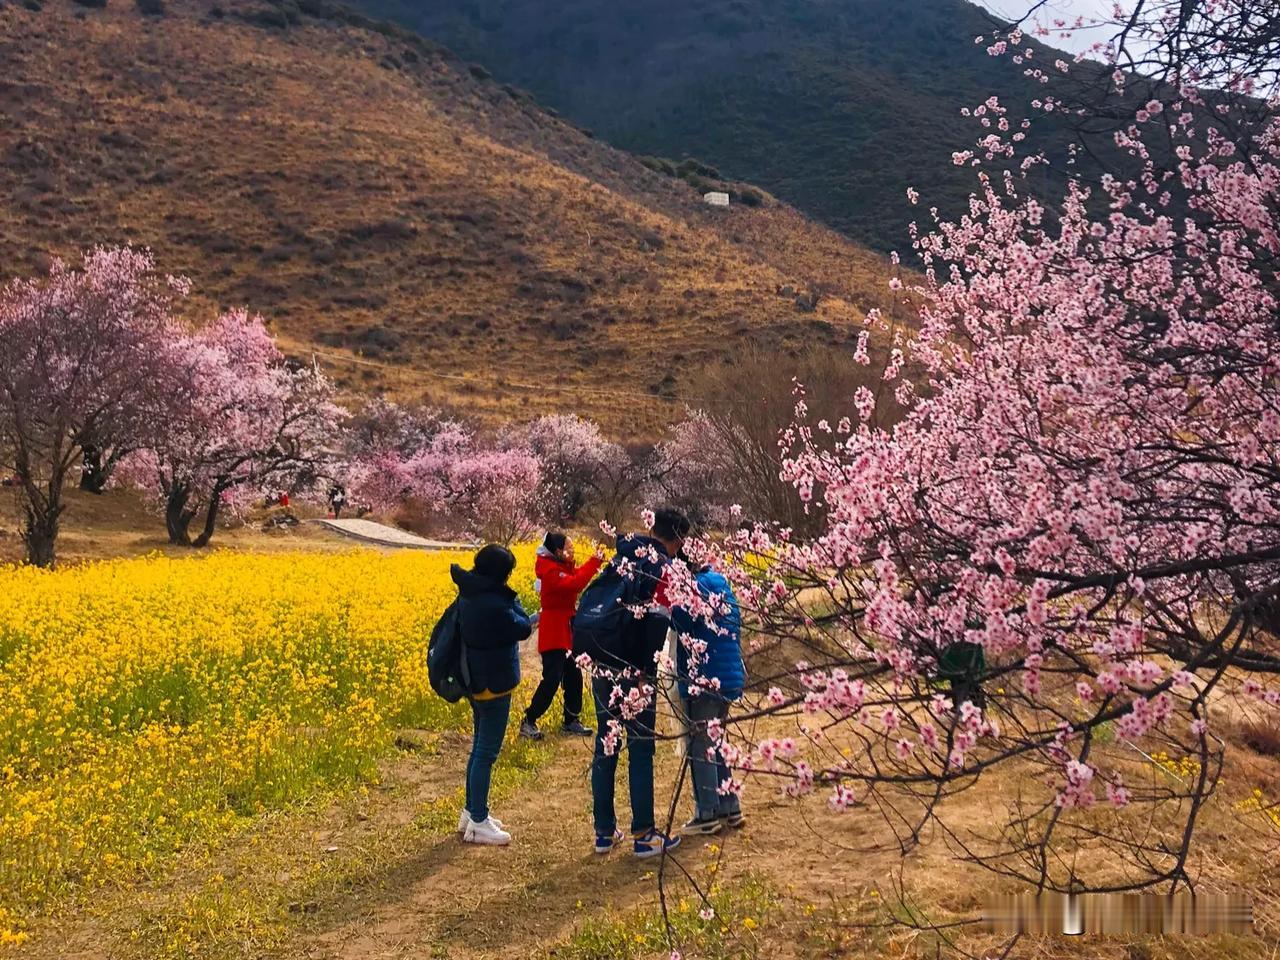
x=836 y=106
x=429 y=231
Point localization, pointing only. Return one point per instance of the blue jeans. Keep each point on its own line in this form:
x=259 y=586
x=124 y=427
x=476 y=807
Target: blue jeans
x=489 y=726
x=708 y=773
x=604 y=767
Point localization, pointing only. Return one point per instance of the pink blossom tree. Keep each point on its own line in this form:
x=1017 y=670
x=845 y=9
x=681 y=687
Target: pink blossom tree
x=90 y=363
x=254 y=422
x=493 y=494
x=1066 y=556
x=579 y=465
x=461 y=484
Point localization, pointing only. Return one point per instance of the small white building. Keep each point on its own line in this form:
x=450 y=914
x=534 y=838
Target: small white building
x=716 y=199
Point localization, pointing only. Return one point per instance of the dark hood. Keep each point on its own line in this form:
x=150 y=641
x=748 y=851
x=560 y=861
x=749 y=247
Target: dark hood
x=472 y=584
x=629 y=544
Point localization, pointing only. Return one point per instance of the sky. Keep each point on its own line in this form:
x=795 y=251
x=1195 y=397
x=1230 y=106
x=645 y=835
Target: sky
x=1054 y=9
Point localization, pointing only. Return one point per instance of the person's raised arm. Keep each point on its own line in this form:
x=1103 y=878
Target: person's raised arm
x=578 y=580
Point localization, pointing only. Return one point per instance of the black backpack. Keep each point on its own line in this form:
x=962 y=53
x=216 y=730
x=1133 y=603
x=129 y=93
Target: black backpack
x=604 y=625
x=447 y=668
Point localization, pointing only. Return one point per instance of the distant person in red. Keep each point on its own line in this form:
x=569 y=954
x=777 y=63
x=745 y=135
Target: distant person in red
x=559 y=583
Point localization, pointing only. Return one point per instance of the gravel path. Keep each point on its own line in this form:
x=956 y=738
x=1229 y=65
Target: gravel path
x=380 y=533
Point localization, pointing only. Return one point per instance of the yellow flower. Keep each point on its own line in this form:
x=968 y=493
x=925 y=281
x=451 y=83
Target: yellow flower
x=139 y=696
x=750 y=923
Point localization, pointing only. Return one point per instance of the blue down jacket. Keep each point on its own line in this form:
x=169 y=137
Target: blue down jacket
x=723 y=658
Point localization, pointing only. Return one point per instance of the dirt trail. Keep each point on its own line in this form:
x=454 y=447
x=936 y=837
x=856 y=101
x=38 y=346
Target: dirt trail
x=461 y=900
x=448 y=899
x=385 y=535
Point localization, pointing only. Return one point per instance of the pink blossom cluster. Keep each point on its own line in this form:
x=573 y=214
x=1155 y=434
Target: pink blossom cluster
x=1086 y=467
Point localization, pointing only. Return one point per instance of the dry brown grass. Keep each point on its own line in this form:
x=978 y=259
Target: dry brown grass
x=120 y=524
x=373 y=197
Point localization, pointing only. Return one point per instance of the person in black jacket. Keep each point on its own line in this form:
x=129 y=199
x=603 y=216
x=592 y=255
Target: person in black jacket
x=631 y=663
x=493 y=625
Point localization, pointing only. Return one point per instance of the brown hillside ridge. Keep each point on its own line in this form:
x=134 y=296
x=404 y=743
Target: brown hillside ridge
x=378 y=200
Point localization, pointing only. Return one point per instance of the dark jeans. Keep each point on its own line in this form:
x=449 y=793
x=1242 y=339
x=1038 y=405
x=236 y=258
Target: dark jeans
x=558 y=669
x=639 y=745
x=489 y=726
x=708 y=772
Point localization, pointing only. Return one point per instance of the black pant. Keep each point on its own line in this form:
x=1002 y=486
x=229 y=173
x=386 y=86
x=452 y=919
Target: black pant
x=558 y=669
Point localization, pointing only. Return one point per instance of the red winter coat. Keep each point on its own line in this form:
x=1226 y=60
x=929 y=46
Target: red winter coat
x=560 y=586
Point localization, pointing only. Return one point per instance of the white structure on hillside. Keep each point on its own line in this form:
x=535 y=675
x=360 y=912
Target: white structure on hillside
x=716 y=199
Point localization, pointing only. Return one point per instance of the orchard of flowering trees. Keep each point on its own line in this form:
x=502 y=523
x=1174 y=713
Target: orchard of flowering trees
x=100 y=372
x=1042 y=543
x=1064 y=559
x=98 y=369
x=556 y=470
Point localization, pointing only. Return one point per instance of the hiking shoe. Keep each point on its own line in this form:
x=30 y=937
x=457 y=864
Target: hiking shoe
x=734 y=820
x=487 y=833
x=654 y=844
x=464 y=820
x=702 y=828
x=606 y=842
x=576 y=729
x=530 y=731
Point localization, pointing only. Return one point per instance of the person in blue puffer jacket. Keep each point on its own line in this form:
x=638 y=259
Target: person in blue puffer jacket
x=711 y=676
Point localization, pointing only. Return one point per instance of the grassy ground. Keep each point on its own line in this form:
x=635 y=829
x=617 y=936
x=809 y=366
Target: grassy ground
x=377 y=873
x=119 y=524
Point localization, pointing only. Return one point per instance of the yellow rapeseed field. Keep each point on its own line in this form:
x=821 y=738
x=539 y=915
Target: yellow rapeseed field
x=148 y=703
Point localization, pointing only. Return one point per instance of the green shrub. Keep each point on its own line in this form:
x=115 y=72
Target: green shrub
x=151 y=8
x=660 y=165
x=691 y=166
x=270 y=17
x=320 y=9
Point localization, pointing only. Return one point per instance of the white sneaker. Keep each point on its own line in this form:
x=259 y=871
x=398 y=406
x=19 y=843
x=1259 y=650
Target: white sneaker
x=464 y=820
x=487 y=833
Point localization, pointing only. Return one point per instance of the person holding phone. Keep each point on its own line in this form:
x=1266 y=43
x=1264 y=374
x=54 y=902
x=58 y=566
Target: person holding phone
x=559 y=584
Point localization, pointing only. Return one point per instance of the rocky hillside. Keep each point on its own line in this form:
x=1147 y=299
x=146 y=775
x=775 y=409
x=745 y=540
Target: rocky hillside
x=837 y=106
x=426 y=229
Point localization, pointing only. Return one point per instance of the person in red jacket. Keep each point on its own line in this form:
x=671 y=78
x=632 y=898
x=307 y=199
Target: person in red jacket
x=559 y=582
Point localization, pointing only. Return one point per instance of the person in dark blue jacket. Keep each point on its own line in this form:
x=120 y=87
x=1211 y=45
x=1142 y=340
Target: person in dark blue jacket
x=493 y=624
x=711 y=675
x=630 y=655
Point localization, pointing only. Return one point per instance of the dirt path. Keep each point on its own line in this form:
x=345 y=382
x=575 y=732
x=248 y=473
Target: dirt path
x=370 y=531
x=457 y=900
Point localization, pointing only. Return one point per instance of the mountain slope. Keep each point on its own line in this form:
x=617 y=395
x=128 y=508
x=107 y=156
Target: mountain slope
x=379 y=201
x=836 y=106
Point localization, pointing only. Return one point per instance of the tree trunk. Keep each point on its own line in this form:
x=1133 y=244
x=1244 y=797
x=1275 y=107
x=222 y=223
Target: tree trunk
x=210 y=519
x=178 y=516
x=40 y=534
x=93 y=472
